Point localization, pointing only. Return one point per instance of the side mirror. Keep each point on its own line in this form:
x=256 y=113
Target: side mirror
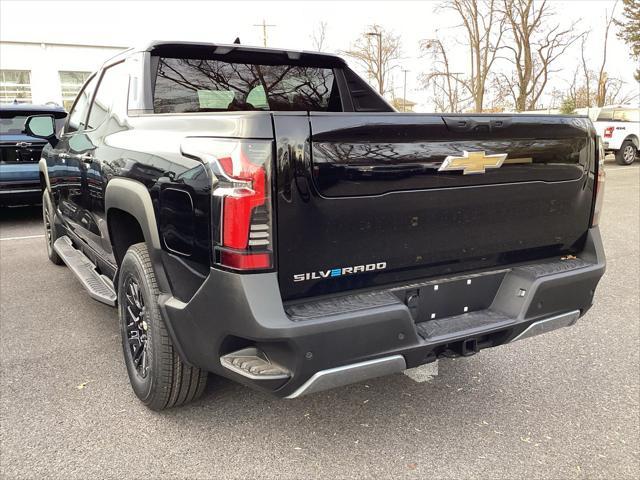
x=41 y=126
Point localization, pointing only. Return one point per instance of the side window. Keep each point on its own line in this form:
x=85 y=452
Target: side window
x=628 y=115
x=79 y=110
x=365 y=98
x=111 y=98
x=605 y=115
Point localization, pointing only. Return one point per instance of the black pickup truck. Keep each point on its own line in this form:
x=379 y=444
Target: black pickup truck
x=266 y=216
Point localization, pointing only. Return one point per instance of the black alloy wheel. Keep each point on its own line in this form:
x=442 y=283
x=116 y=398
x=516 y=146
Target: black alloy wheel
x=158 y=375
x=136 y=326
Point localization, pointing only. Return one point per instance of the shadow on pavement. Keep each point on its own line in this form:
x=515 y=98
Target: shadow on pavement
x=30 y=212
x=20 y=221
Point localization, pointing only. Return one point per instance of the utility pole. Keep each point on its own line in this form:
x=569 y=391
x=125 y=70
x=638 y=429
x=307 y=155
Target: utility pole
x=264 y=26
x=380 y=72
x=404 y=91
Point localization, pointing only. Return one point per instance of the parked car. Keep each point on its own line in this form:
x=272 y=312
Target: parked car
x=20 y=153
x=266 y=216
x=619 y=128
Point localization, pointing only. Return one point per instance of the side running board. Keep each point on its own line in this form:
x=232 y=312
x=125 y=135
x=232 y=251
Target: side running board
x=98 y=286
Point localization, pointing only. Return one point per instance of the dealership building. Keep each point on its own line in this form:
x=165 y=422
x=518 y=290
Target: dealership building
x=41 y=73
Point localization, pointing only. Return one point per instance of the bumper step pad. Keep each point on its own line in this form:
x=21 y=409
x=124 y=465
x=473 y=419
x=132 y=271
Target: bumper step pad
x=340 y=305
x=481 y=320
x=254 y=364
x=97 y=285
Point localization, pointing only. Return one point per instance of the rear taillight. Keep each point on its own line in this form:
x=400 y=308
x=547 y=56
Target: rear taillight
x=599 y=184
x=241 y=199
x=608 y=132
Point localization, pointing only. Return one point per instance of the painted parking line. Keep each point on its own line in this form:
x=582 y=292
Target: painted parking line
x=627 y=169
x=7 y=239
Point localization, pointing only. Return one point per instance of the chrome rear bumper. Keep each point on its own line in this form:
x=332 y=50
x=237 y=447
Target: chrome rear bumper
x=549 y=324
x=354 y=373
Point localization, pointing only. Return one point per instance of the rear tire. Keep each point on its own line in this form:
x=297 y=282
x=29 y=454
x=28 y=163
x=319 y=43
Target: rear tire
x=157 y=374
x=627 y=153
x=50 y=230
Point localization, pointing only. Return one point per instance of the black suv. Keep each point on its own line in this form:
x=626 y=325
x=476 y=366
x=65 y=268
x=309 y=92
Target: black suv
x=20 y=153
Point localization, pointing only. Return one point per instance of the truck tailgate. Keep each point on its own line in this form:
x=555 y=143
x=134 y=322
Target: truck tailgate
x=365 y=200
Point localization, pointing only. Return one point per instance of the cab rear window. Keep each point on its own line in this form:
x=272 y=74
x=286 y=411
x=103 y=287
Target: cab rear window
x=185 y=85
x=12 y=125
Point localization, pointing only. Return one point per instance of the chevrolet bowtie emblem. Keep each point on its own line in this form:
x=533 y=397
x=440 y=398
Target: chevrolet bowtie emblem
x=472 y=162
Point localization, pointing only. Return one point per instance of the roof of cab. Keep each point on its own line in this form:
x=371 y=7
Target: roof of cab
x=28 y=107
x=221 y=49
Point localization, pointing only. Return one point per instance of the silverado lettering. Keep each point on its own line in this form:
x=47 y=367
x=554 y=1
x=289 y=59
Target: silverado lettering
x=337 y=272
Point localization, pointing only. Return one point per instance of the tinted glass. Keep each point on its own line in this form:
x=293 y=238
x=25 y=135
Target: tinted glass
x=78 y=114
x=364 y=98
x=629 y=115
x=196 y=85
x=70 y=84
x=111 y=97
x=12 y=125
x=605 y=115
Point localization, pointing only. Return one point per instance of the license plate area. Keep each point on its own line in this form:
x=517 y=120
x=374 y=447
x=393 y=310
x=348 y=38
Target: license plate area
x=20 y=155
x=452 y=297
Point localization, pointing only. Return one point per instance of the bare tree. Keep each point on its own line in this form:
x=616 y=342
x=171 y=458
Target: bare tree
x=377 y=55
x=578 y=90
x=586 y=72
x=450 y=93
x=483 y=23
x=536 y=44
x=616 y=91
x=608 y=90
x=319 y=36
x=603 y=79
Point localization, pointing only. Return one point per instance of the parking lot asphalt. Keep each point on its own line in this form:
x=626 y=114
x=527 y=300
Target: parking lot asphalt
x=562 y=405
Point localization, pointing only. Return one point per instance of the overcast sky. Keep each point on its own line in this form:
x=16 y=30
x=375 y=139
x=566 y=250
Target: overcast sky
x=132 y=22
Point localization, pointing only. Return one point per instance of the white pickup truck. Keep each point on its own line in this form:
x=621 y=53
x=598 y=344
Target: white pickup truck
x=619 y=128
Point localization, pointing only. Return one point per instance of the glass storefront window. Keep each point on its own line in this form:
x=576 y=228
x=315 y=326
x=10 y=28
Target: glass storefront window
x=15 y=85
x=70 y=83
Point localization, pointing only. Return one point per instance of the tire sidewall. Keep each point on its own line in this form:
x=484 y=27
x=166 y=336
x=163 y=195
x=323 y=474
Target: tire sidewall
x=132 y=267
x=49 y=212
x=621 y=156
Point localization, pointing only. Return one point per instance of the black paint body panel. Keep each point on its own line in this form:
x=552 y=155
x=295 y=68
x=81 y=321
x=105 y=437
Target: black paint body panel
x=146 y=149
x=358 y=189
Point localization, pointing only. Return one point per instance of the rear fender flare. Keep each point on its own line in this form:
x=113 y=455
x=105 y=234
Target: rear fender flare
x=133 y=197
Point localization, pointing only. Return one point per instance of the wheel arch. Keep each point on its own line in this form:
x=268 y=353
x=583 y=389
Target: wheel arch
x=633 y=138
x=125 y=200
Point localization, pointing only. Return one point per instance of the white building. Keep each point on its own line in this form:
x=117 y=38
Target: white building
x=32 y=72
